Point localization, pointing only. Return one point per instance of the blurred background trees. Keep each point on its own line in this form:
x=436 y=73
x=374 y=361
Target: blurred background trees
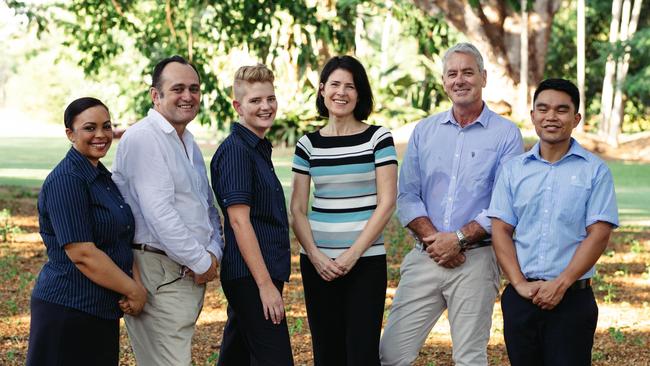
x=59 y=51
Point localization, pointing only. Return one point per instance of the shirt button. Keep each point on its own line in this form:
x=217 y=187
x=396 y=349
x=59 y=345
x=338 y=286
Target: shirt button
x=277 y=189
x=449 y=199
x=121 y=206
x=453 y=177
x=545 y=211
x=128 y=226
x=108 y=188
x=456 y=155
x=548 y=188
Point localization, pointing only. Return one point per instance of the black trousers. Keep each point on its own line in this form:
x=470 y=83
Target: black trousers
x=562 y=336
x=248 y=338
x=345 y=315
x=62 y=336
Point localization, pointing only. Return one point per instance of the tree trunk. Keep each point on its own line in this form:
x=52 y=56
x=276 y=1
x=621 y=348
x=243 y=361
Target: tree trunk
x=628 y=27
x=581 y=62
x=523 y=70
x=494 y=28
x=607 y=95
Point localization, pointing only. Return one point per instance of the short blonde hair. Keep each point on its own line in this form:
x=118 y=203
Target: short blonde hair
x=250 y=74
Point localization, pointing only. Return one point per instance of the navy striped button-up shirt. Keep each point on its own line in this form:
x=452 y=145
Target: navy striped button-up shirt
x=80 y=203
x=242 y=173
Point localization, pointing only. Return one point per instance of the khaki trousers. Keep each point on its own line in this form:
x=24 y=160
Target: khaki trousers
x=162 y=333
x=425 y=290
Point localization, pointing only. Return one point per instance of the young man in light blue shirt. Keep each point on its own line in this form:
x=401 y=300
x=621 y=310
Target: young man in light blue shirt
x=560 y=200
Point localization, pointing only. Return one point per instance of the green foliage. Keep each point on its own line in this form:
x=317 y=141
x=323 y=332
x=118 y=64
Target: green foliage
x=118 y=42
x=7 y=228
x=296 y=327
x=561 y=60
x=212 y=360
x=616 y=334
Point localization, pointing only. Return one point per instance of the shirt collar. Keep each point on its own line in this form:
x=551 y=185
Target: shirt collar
x=574 y=149
x=247 y=135
x=167 y=127
x=88 y=171
x=483 y=119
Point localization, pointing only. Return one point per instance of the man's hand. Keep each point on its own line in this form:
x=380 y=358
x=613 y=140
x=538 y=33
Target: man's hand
x=454 y=262
x=210 y=274
x=272 y=303
x=528 y=290
x=443 y=247
x=549 y=295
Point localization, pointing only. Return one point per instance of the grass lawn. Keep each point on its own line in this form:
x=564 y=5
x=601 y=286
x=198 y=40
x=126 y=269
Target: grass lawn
x=27 y=161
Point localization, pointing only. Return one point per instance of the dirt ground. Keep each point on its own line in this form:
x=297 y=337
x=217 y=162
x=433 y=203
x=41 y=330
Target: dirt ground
x=622 y=289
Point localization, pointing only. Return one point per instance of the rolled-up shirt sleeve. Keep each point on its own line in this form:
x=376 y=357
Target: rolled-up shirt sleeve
x=409 y=199
x=153 y=184
x=232 y=178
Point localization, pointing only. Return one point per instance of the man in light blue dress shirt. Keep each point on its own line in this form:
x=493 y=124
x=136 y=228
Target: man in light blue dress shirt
x=445 y=185
x=559 y=198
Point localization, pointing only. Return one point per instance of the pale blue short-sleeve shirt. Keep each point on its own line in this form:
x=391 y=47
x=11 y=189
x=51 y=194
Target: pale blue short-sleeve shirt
x=551 y=205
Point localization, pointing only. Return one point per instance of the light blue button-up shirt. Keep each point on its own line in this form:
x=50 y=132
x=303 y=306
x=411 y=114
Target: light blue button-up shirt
x=448 y=172
x=551 y=205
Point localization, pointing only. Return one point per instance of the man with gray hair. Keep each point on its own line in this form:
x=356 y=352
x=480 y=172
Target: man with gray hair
x=445 y=186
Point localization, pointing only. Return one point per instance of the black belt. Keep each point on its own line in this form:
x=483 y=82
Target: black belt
x=578 y=285
x=422 y=246
x=479 y=244
x=148 y=248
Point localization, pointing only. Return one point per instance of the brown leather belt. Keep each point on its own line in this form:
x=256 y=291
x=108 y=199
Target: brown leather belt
x=147 y=248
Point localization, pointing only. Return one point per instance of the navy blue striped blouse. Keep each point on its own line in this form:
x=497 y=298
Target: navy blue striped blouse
x=242 y=173
x=80 y=203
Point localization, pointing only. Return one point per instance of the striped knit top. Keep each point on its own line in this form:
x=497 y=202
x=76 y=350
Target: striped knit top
x=345 y=190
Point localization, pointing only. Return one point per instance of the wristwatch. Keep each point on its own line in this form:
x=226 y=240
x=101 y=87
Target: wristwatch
x=462 y=240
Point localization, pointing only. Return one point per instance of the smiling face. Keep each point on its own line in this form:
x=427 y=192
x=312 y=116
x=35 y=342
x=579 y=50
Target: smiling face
x=91 y=133
x=179 y=95
x=339 y=94
x=554 y=117
x=462 y=80
x=257 y=107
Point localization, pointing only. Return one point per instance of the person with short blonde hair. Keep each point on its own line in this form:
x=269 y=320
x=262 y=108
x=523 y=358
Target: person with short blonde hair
x=249 y=75
x=257 y=256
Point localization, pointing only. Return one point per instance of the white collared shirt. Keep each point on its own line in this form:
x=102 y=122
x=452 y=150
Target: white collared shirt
x=167 y=187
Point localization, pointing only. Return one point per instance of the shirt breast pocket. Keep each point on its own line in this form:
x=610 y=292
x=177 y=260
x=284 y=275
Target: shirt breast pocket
x=574 y=200
x=481 y=166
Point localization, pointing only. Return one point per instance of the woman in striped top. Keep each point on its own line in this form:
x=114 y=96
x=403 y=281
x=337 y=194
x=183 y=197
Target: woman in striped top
x=343 y=261
x=87 y=229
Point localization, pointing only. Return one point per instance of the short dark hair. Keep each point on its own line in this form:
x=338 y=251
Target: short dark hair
x=562 y=85
x=160 y=66
x=77 y=107
x=364 y=100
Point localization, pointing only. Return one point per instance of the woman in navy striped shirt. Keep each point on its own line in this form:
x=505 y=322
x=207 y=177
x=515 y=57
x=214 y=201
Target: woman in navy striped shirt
x=343 y=260
x=87 y=229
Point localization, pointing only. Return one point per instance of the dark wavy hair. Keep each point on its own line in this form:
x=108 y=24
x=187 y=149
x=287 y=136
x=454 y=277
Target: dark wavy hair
x=365 y=101
x=562 y=85
x=77 y=107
